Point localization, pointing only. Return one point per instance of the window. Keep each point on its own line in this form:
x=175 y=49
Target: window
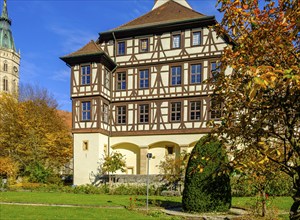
x=144 y=79
x=121 y=115
x=86 y=111
x=175 y=75
x=214 y=70
x=215 y=109
x=105 y=113
x=144 y=113
x=106 y=79
x=14 y=86
x=121 y=48
x=195 y=110
x=176 y=41
x=144 y=46
x=176 y=111
x=196 y=73
x=85 y=145
x=5 y=84
x=5 y=66
x=196 y=39
x=85 y=75
x=121 y=81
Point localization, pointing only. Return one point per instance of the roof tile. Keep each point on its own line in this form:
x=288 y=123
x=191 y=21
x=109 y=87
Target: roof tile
x=170 y=11
x=90 y=48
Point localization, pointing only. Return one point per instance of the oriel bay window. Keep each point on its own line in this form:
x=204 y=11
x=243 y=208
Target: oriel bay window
x=86 y=111
x=175 y=111
x=144 y=113
x=105 y=113
x=85 y=75
x=106 y=79
x=196 y=72
x=121 y=114
x=121 y=81
x=195 y=110
x=175 y=75
x=144 y=79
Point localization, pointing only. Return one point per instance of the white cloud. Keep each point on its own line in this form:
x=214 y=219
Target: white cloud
x=61 y=75
x=72 y=39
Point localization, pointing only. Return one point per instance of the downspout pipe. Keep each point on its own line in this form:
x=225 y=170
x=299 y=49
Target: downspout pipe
x=111 y=88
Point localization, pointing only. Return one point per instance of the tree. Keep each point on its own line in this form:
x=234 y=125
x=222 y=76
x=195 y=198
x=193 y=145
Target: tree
x=33 y=134
x=173 y=168
x=207 y=183
x=261 y=98
x=8 y=168
x=112 y=163
x=258 y=174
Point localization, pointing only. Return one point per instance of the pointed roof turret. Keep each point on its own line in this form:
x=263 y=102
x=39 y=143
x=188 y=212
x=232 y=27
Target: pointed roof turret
x=6 y=38
x=91 y=52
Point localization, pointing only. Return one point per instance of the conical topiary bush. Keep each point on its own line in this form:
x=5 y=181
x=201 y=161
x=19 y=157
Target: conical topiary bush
x=206 y=188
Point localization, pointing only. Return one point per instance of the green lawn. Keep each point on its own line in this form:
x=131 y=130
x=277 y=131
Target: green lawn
x=104 y=206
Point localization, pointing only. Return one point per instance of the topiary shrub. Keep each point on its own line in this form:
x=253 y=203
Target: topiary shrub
x=206 y=188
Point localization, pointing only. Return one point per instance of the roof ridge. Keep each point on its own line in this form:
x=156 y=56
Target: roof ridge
x=156 y=10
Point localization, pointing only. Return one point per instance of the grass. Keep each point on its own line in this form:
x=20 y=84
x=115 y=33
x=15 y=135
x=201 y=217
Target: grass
x=94 y=206
x=9 y=212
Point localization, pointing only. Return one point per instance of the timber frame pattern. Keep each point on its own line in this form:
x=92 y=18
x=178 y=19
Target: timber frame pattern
x=172 y=100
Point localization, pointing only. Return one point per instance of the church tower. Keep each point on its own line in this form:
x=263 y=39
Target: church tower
x=9 y=57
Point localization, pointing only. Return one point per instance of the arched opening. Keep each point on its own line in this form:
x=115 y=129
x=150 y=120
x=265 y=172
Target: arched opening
x=159 y=151
x=131 y=154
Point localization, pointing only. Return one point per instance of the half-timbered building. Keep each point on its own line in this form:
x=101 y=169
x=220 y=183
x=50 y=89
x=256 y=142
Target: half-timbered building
x=141 y=88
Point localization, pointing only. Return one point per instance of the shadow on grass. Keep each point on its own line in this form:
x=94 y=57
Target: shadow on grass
x=161 y=203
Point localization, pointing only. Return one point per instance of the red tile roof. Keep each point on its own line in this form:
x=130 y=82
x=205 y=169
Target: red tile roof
x=168 y=12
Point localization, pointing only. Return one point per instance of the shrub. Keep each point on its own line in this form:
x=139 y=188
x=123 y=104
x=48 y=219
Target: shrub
x=282 y=185
x=206 y=188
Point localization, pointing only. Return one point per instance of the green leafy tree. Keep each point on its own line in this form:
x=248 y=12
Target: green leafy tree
x=112 y=163
x=261 y=98
x=207 y=183
x=173 y=168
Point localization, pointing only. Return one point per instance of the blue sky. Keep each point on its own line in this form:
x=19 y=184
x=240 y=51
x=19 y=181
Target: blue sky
x=45 y=30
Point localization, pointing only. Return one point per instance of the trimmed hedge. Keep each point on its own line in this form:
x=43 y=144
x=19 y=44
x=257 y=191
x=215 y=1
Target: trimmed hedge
x=206 y=189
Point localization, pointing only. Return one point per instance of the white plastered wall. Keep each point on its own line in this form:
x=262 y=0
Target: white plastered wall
x=86 y=161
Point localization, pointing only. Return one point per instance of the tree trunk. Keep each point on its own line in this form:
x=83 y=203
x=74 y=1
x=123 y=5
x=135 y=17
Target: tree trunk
x=264 y=204
x=294 y=211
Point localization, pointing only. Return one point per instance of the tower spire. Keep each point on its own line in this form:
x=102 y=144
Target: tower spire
x=6 y=38
x=4 y=14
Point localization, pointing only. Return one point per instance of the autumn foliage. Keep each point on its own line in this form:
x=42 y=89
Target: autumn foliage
x=31 y=133
x=261 y=98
